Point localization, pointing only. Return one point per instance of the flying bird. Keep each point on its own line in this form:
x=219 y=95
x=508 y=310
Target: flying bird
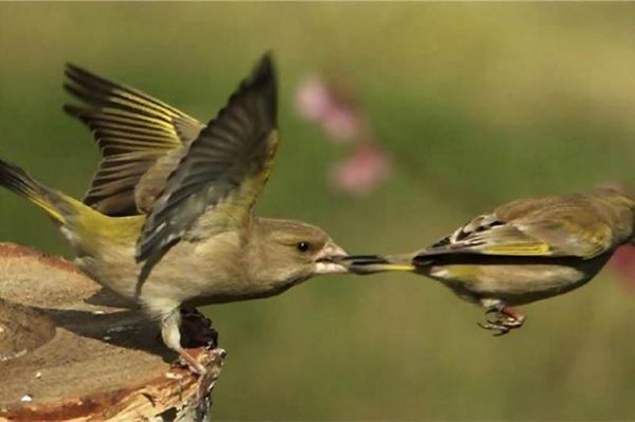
x=168 y=221
x=523 y=251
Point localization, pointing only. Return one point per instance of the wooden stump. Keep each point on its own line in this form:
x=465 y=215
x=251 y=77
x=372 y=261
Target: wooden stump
x=69 y=351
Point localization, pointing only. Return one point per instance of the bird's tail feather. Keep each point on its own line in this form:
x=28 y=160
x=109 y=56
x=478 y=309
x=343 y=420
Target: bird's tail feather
x=371 y=264
x=86 y=224
x=17 y=180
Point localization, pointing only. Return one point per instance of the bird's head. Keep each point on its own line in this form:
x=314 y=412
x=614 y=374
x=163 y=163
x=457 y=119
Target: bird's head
x=294 y=251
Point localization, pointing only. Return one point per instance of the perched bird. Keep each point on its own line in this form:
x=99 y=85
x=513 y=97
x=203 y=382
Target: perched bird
x=171 y=220
x=523 y=251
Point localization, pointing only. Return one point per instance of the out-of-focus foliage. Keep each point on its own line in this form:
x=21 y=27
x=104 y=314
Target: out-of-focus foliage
x=475 y=103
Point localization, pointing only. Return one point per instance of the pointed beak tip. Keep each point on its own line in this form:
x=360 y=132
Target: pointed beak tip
x=332 y=253
x=329 y=261
x=338 y=253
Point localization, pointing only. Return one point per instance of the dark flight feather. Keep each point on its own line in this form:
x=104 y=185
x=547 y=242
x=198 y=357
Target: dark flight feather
x=132 y=129
x=227 y=164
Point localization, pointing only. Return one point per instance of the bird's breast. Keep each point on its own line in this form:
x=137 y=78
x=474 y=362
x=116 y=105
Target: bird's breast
x=516 y=283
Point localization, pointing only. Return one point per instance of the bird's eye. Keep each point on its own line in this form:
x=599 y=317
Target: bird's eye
x=303 y=246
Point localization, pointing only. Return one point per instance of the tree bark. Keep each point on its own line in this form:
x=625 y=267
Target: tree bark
x=69 y=350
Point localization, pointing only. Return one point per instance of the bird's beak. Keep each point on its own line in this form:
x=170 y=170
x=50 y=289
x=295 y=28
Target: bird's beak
x=328 y=260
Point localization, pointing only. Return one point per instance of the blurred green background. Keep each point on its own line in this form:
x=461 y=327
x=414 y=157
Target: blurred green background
x=477 y=103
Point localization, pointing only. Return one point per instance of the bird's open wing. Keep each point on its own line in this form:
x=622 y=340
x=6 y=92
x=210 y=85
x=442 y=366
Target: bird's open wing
x=217 y=182
x=132 y=129
x=566 y=228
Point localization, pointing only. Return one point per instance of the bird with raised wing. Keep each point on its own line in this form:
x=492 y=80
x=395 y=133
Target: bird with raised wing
x=521 y=252
x=168 y=220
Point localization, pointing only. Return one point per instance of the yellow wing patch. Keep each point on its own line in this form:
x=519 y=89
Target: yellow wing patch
x=518 y=249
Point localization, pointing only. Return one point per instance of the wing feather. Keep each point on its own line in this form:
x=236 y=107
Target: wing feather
x=126 y=124
x=556 y=232
x=218 y=180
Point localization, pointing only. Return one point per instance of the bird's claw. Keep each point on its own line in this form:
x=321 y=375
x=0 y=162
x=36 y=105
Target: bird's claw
x=197 y=330
x=501 y=321
x=499 y=329
x=187 y=359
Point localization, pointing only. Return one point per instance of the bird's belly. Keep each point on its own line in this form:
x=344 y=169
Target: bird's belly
x=114 y=270
x=186 y=273
x=515 y=284
x=195 y=286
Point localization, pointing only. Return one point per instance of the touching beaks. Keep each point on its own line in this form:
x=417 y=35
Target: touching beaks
x=328 y=260
x=371 y=264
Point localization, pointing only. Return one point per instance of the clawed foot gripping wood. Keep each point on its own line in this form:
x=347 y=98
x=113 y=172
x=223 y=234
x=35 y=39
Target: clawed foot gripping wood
x=71 y=351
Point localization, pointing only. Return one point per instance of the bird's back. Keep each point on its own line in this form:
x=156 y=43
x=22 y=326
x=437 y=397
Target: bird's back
x=581 y=225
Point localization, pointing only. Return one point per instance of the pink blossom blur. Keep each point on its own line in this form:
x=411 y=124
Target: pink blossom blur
x=364 y=170
x=623 y=263
x=319 y=102
x=336 y=111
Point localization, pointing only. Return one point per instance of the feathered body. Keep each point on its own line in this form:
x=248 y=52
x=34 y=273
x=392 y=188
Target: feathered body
x=169 y=218
x=230 y=266
x=523 y=251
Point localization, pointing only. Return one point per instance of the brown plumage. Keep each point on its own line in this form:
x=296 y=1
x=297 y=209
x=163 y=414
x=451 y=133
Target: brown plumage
x=172 y=218
x=521 y=252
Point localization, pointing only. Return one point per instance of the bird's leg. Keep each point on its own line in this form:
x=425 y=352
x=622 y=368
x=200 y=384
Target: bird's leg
x=172 y=338
x=197 y=330
x=500 y=318
x=493 y=323
x=195 y=334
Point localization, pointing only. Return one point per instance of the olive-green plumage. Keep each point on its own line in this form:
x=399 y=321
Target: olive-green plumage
x=521 y=252
x=169 y=217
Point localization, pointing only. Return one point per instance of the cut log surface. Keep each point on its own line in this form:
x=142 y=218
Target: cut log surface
x=71 y=351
